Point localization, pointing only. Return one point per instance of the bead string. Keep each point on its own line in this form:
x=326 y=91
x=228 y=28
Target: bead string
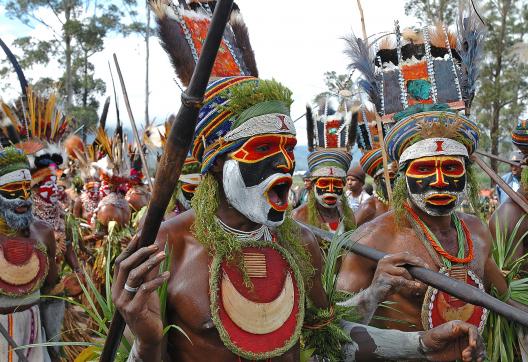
x=430 y=63
x=462 y=234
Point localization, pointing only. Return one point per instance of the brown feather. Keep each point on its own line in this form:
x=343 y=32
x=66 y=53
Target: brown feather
x=437 y=36
x=241 y=33
x=176 y=46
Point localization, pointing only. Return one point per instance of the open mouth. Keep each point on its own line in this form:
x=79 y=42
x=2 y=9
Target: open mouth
x=21 y=210
x=440 y=199
x=277 y=193
x=330 y=200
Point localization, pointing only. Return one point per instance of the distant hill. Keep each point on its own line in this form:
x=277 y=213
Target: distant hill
x=301 y=154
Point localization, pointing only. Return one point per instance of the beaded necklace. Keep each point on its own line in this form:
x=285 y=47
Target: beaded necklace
x=463 y=236
x=380 y=198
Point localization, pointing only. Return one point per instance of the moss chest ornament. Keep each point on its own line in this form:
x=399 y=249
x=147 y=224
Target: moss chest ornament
x=265 y=319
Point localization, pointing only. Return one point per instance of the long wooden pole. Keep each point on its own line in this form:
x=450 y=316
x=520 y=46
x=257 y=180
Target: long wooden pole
x=134 y=127
x=498 y=158
x=178 y=143
x=462 y=291
x=518 y=199
x=385 y=159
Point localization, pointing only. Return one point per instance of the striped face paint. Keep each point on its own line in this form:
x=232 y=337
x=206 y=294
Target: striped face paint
x=258 y=176
x=436 y=184
x=328 y=190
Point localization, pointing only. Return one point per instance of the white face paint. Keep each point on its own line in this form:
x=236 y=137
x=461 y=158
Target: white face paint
x=252 y=202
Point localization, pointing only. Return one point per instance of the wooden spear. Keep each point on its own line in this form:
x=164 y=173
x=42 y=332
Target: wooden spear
x=498 y=158
x=134 y=127
x=463 y=291
x=178 y=143
x=516 y=197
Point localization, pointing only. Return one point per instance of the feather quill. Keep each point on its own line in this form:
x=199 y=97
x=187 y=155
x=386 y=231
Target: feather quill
x=471 y=32
x=361 y=60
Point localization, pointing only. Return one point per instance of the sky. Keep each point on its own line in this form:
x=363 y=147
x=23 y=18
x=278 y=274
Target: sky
x=294 y=41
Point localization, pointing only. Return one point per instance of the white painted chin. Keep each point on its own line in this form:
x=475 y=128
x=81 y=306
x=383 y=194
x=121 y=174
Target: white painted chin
x=249 y=201
x=327 y=200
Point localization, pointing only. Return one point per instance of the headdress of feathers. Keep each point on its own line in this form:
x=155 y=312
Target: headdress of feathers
x=83 y=157
x=39 y=120
x=420 y=67
x=114 y=164
x=330 y=126
x=367 y=134
x=182 y=28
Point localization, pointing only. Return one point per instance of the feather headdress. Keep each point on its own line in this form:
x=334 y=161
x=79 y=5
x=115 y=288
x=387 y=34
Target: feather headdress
x=426 y=66
x=39 y=120
x=182 y=30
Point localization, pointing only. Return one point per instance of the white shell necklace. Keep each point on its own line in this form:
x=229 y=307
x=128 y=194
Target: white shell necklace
x=262 y=233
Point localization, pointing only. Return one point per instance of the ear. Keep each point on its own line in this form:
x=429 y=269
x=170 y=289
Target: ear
x=217 y=169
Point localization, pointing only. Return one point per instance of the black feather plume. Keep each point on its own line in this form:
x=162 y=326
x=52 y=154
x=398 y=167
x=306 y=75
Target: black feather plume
x=18 y=69
x=471 y=33
x=352 y=131
x=310 y=128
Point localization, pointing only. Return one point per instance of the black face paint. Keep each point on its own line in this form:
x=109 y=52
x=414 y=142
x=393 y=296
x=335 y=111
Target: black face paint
x=436 y=184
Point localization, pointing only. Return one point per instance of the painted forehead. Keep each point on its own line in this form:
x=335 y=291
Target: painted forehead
x=22 y=175
x=260 y=147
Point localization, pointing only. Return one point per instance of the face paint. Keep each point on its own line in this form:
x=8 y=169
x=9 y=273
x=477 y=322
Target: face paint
x=48 y=189
x=16 y=212
x=436 y=184
x=258 y=177
x=328 y=190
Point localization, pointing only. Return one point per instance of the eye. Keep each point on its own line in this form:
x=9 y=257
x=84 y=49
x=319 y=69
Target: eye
x=262 y=148
x=424 y=168
x=289 y=149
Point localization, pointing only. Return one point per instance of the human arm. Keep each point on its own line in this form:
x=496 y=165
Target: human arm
x=448 y=342
x=366 y=211
x=47 y=237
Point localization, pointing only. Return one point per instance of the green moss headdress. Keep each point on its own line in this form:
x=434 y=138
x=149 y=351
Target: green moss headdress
x=237 y=108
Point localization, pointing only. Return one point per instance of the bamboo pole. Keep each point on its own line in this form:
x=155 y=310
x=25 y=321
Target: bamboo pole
x=385 y=159
x=498 y=158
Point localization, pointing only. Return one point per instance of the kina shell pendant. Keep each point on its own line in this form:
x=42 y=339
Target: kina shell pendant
x=263 y=320
x=439 y=307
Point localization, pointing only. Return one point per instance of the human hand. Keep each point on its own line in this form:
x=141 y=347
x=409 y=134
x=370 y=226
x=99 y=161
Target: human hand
x=391 y=276
x=140 y=309
x=454 y=340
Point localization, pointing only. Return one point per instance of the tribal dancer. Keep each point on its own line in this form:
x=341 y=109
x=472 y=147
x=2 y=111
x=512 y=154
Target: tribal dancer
x=378 y=204
x=27 y=259
x=241 y=270
x=327 y=206
x=509 y=218
x=279 y=262
x=329 y=136
x=368 y=141
x=432 y=144
x=137 y=195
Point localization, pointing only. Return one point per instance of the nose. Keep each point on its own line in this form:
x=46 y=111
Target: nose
x=284 y=163
x=440 y=182
x=331 y=187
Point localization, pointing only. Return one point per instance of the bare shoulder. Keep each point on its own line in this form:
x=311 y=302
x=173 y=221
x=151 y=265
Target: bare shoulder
x=375 y=232
x=41 y=227
x=309 y=240
x=300 y=213
x=474 y=223
x=176 y=231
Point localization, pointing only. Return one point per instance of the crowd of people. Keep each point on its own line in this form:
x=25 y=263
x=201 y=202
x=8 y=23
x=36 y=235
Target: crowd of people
x=245 y=267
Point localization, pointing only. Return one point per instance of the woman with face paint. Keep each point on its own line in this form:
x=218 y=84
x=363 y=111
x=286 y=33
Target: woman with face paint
x=327 y=205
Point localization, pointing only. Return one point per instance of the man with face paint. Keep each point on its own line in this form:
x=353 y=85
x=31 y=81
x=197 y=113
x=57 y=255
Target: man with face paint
x=378 y=204
x=433 y=150
x=327 y=205
x=27 y=259
x=252 y=310
x=508 y=215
